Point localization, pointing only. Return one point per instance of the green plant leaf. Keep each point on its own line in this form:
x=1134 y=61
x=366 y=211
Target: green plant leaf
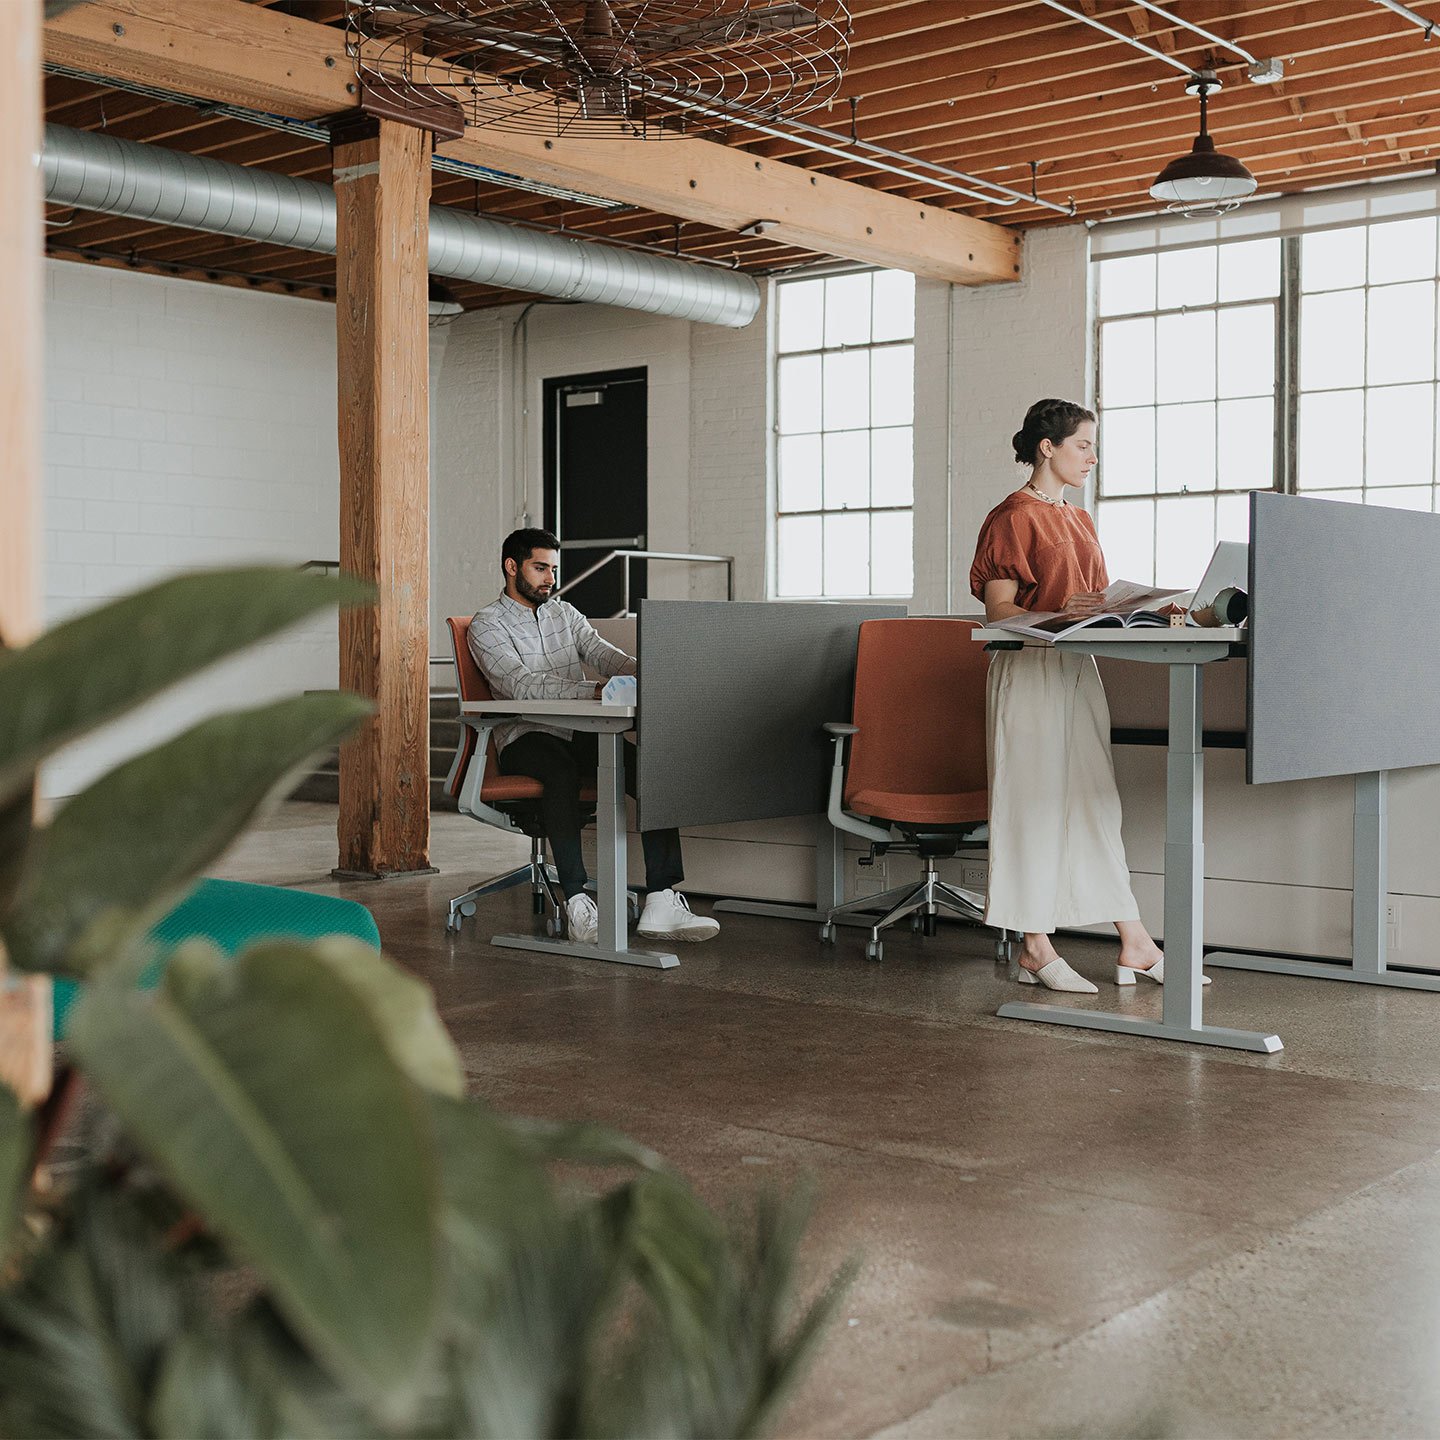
x=123 y=852
x=16 y=828
x=17 y=1146
x=98 y=666
x=404 y=1010
x=266 y=1093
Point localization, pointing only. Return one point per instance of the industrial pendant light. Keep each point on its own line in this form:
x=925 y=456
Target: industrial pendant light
x=1204 y=182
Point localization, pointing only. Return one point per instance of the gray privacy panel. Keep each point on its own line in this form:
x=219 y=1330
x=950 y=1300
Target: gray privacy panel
x=1344 y=652
x=732 y=699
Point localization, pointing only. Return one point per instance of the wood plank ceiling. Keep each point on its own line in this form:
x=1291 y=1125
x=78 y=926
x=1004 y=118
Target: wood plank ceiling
x=992 y=89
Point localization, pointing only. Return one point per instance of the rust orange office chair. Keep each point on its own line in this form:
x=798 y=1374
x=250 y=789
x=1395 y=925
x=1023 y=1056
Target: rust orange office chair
x=509 y=802
x=916 y=777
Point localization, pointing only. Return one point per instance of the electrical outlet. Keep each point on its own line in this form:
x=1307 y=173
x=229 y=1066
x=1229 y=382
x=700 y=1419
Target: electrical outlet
x=972 y=877
x=870 y=879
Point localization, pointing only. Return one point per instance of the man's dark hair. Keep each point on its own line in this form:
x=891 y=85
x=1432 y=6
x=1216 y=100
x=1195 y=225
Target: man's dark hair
x=519 y=544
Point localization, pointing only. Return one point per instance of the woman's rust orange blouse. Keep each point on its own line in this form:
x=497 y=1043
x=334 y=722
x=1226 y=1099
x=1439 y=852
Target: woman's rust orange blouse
x=1050 y=551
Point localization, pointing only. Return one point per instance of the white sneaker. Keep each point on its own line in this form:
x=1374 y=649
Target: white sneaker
x=667 y=916
x=582 y=920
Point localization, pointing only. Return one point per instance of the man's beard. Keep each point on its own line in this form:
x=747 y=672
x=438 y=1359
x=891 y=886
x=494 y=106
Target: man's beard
x=530 y=592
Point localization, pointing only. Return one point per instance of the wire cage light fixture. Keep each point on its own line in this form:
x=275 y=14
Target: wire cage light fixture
x=632 y=69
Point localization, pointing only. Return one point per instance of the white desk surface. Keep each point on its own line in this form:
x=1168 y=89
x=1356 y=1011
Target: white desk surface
x=1136 y=635
x=596 y=709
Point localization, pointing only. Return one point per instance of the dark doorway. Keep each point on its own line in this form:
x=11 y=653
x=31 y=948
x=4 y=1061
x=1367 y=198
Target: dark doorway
x=596 y=483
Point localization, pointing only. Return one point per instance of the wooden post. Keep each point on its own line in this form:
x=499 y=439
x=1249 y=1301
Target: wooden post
x=382 y=208
x=25 y=1048
x=21 y=285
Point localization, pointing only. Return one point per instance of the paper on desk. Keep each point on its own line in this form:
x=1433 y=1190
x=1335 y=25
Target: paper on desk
x=621 y=690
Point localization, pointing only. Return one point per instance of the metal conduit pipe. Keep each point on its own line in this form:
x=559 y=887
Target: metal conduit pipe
x=145 y=182
x=1406 y=13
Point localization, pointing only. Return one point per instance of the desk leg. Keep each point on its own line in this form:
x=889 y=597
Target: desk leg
x=612 y=858
x=1368 y=964
x=1184 y=899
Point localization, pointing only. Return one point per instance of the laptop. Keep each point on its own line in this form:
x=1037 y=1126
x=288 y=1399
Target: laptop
x=1229 y=568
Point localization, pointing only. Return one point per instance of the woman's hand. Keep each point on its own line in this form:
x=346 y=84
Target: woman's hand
x=1085 y=602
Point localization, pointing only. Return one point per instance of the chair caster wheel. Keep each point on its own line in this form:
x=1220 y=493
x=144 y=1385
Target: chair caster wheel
x=537 y=903
x=874 y=950
x=931 y=924
x=452 y=924
x=632 y=907
x=552 y=926
x=917 y=924
x=827 y=934
x=467 y=909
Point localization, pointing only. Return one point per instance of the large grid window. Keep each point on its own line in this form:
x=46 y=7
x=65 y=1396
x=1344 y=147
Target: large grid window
x=1368 y=371
x=1187 y=350
x=844 y=461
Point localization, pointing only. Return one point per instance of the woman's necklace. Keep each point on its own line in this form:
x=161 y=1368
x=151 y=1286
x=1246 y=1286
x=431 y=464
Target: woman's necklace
x=1035 y=490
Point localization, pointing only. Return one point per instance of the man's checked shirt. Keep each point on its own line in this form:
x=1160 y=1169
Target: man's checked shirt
x=539 y=654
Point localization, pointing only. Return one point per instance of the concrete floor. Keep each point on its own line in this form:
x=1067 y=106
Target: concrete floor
x=1060 y=1233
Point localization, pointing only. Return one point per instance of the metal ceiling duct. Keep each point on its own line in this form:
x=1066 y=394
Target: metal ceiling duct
x=94 y=171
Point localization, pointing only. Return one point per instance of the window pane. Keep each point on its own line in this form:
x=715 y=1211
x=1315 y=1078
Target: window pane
x=1185 y=447
x=797 y=543
x=1402 y=250
x=799 y=394
x=1245 y=445
x=1127 y=284
x=1401 y=497
x=847 y=309
x=847 y=472
x=847 y=390
x=1127 y=362
x=1232 y=518
x=1127 y=452
x=847 y=554
x=1332 y=259
x=892 y=467
x=1187 y=277
x=894 y=305
x=1399 y=435
x=798 y=461
x=1332 y=440
x=1127 y=536
x=1184 y=539
x=892 y=385
x=892 y=553
x=802 y=315
x=1250 y=270
x=1401 y=333
x=1185 y=357
x=1332 y=339
x=1245 y=350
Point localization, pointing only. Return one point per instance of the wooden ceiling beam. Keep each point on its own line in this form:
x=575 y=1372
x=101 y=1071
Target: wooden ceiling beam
x=249 y=55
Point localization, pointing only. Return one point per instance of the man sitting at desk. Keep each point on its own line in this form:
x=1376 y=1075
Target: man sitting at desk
x=531 y=647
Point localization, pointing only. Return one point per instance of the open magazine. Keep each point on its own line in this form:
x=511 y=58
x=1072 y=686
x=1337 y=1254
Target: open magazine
x=1126 y=603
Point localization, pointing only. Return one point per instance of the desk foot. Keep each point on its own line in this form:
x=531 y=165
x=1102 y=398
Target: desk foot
x=1130 y=1025
x=649 y=959
x=776 y=911
x=1323 y=970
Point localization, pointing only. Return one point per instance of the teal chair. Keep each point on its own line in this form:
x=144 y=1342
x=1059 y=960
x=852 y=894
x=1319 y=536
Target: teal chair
x=232 y=915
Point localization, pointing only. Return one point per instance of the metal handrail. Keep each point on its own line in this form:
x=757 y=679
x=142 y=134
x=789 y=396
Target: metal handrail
x=728 y=561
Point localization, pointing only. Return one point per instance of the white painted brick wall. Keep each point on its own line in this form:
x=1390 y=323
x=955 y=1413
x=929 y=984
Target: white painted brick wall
x=1013 y=344
x=186 y=426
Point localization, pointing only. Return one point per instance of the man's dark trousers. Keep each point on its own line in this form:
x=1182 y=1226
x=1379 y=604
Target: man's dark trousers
x=561 y=767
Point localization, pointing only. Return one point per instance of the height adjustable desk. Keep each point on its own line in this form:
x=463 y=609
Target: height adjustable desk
x=610 y=722
x=1186 y=653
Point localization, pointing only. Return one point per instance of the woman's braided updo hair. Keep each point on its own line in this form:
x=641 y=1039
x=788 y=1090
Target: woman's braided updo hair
x=1052 y=420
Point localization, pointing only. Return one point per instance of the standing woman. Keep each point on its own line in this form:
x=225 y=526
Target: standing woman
x=1056 y=857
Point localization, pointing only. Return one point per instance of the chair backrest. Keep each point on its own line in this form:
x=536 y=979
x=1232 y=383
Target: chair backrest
x=920 y=708
x=470 y=681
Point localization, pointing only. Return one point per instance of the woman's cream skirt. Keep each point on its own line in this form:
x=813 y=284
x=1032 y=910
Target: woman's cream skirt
x=1056 y=858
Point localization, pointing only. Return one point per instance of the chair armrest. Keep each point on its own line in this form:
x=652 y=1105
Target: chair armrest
x=835 y=811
